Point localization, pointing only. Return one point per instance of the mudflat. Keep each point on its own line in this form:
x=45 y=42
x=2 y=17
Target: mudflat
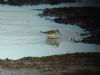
x=66 y=64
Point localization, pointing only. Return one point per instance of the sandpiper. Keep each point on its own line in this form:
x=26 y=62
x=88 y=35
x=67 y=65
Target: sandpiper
x=52 y=33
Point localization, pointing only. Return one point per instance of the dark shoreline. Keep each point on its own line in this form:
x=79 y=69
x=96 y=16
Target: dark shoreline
x=85 y=17
x=65 y=64
x=34 y=2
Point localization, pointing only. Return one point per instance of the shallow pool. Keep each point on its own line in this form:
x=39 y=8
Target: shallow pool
x=20 y=34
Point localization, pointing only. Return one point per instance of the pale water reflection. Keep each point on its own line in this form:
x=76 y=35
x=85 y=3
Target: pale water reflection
x=20 y=34
x=53 y=41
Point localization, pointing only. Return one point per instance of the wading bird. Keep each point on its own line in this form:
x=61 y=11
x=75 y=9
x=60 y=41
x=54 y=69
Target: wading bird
x=52 y=33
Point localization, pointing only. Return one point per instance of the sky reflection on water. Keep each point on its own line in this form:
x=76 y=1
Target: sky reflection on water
x=20 y=34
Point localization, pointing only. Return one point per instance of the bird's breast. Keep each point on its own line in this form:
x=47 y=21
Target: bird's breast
x=52 y=36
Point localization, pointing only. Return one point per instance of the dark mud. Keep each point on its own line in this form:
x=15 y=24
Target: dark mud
x=66 y=64
x=34 y=2
x=87 y=18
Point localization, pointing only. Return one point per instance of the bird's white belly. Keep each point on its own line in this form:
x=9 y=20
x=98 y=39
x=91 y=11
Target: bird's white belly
x=52 y=36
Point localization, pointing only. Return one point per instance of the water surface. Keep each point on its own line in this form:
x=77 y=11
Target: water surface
x=20 y=34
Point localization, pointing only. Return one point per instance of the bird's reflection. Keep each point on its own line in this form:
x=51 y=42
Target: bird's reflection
x=53 y=41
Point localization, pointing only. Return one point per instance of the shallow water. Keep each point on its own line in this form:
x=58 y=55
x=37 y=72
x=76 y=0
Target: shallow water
x=20 y=34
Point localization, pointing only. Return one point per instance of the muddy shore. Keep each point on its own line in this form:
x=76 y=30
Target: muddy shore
x=85 y=17
x=66 y=64
x=34 y=2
